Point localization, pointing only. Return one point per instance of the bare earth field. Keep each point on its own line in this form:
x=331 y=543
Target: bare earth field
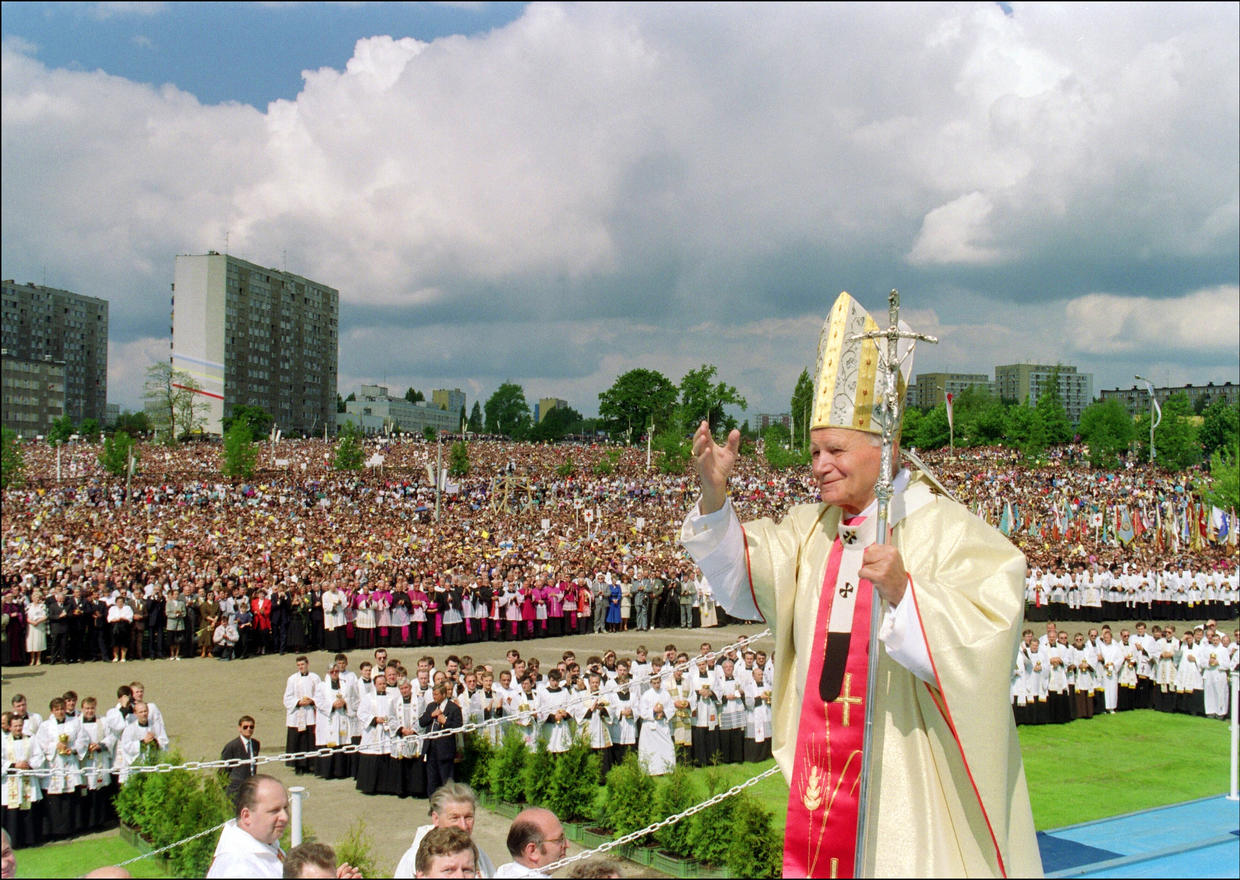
x=201 y=700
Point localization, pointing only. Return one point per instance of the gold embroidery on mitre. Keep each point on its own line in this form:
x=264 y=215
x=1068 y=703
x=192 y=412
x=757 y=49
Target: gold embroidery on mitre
x=848 y=379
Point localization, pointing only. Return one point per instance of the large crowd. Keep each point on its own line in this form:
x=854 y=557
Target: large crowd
x=1058 y=678
x=535 y=541
x=664 y=707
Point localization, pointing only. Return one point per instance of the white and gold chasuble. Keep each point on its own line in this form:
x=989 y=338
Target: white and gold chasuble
x=948 y=794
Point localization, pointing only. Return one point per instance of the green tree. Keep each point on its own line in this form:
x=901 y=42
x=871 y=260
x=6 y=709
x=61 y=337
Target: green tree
x=239 y=452
x=259 y=420
x=775 y=447
x=507 y=412
x=1175 y=439
x=1222 y=487
x=636 y=400
x=430 y=434
x=458 y=463
x=89 y=429
x=1053 y=414
x=475 y=418
x=1025 y=430
x=702 y=398
x=60 y=431
x=759 y=852
x=413 y=395
x=174 y=401
x=12 y=462
x=1107 y=428
x=1220 y=426
x=556 y=425
x=928 y=431
x=116 y=451
x=980 y=418
x=135 y=424
x=339 y=403
x=802 y=409
x=674 y=450
x=349 y=452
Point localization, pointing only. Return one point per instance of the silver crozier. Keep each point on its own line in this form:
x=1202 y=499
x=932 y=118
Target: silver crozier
x=889 y=419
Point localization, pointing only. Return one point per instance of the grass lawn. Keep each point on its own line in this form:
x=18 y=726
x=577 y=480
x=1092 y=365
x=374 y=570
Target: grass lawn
x=77 y=857
x=1086 y=770
x=1115 y=764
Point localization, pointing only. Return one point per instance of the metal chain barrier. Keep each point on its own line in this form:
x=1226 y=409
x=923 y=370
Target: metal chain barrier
x=164 y=849
x=670 y=820
x=327 y=751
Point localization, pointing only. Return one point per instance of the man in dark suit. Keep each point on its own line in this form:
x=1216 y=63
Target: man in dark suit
x=59 y=605
x=440 y=714
x=244 y=746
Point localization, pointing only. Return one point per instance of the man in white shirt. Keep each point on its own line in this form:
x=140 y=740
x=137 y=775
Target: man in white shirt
x=451 y=806
x=535 y=840
x=249 y=845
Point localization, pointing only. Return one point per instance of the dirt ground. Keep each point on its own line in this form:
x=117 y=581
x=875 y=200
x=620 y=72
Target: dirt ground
x=201 y=700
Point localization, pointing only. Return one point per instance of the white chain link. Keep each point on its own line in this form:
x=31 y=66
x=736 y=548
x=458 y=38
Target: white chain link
x=416 y=739
x=164 y=849
x=670 y=820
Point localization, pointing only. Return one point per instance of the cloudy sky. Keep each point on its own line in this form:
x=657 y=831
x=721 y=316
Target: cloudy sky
x=553 y=194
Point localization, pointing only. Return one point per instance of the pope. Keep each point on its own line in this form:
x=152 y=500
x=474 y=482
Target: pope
x=947 y=794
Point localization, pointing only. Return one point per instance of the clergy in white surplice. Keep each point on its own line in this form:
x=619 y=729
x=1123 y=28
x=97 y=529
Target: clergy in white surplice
x=555 y=714
x=21 y=793
x=654 y=746
x=141 y=742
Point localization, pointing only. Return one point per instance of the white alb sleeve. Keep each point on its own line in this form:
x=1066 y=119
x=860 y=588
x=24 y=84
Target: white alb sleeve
x=901 y=633
x=716 y=542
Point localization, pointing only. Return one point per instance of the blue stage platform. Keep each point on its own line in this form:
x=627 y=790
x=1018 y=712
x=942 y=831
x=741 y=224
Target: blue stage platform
x=1195 y=839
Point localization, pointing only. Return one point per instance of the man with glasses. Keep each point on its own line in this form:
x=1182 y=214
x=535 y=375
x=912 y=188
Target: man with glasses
x=244 y=746
x=535 y=840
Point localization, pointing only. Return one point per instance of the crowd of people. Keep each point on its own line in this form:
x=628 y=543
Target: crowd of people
x=535 y=541
x=665 y=707
x=249 y=844
x=1057 y=679
x=87 y=751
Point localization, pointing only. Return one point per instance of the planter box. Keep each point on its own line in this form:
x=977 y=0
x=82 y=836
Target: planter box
x=505 y=809
x=643 y=855
x=674 y=866
x=593 y=838
x=131 y=836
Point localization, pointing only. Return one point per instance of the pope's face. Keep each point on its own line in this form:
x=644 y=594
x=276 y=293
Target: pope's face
x=845 y=465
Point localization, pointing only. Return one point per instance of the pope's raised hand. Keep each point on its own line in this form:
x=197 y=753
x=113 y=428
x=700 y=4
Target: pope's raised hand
x=714 y=464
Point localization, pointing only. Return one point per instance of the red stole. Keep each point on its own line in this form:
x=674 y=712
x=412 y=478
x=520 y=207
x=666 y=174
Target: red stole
x=820 y=839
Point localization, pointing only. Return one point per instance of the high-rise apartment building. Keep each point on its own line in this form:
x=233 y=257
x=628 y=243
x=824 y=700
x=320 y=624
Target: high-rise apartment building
x=1137 y=398
x=44 y=325
x=33 y=394
x=546 y=405
x=931 y=389
x=255 y=336
x=451 y=399
x=1021 y=382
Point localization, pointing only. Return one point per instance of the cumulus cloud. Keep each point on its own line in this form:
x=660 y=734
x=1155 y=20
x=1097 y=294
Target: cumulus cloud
x=602 y=186
x=1204 y=321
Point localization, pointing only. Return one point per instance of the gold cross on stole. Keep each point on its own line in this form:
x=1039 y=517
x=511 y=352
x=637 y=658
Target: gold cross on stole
x=847 y=698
